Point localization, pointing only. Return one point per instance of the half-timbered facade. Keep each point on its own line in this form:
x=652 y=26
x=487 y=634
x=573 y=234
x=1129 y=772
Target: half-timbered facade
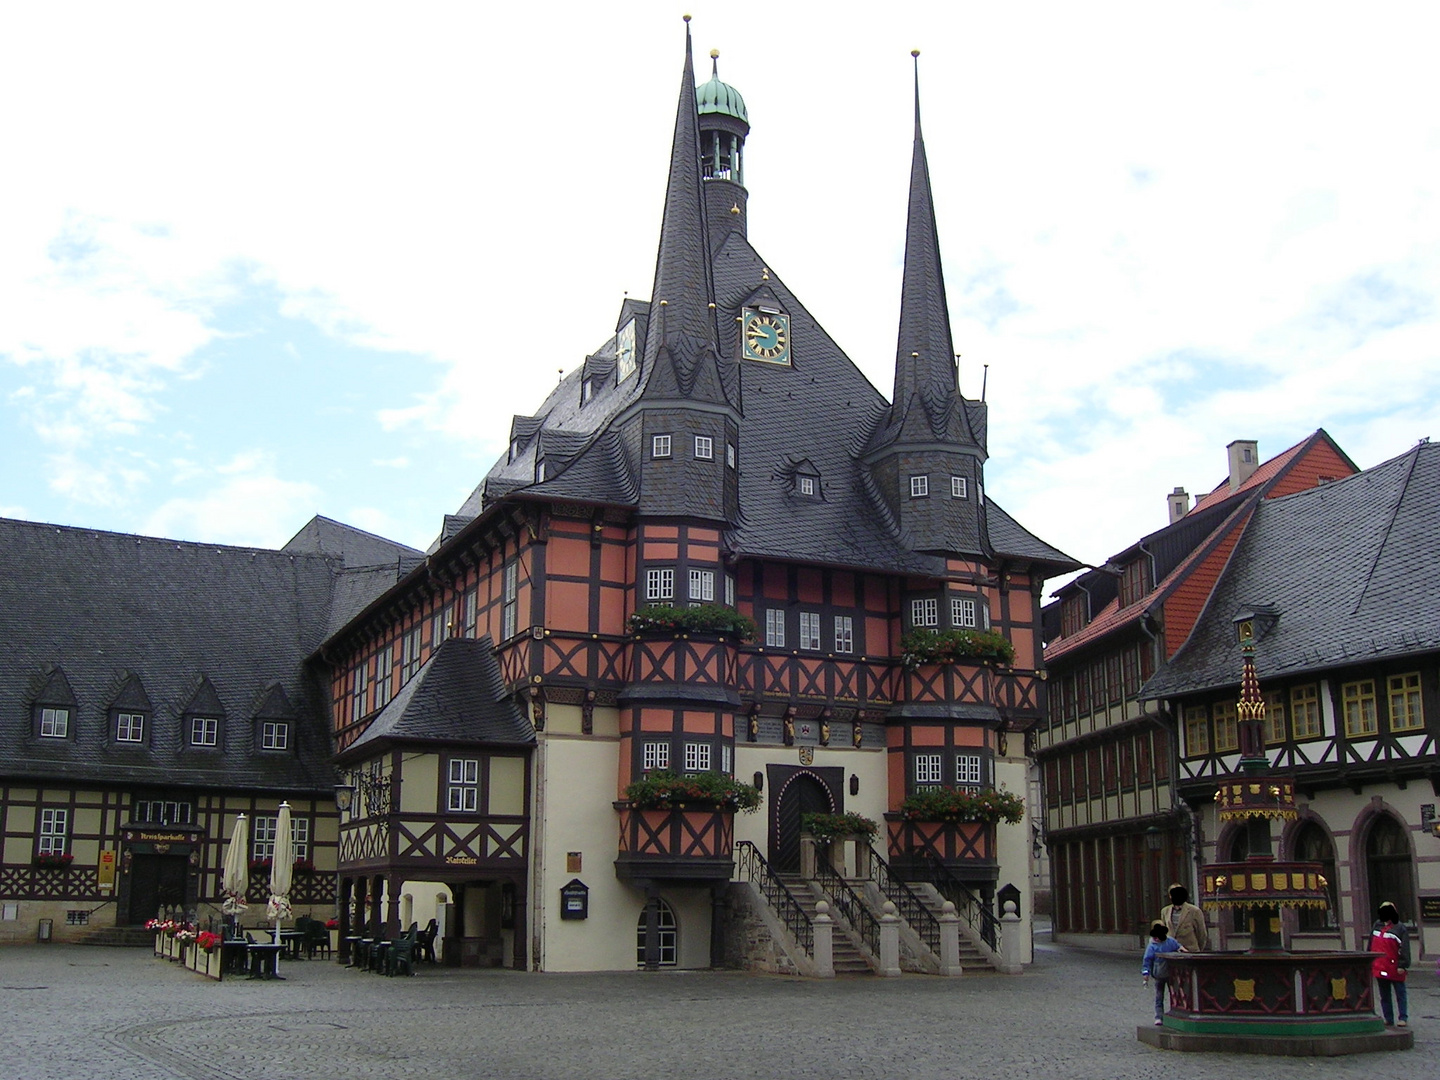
x=1339 y=586
x=718 y=448
x=1116 y=832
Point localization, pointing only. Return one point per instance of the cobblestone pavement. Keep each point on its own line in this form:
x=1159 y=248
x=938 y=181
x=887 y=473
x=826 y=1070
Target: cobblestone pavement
x=69 y=1012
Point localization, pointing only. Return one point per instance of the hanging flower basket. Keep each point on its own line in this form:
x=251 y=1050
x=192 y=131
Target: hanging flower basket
x=663 y=790
x=926 y=646
x=705 y=619
x=965 y=804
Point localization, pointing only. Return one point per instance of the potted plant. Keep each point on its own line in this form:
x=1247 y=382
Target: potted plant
x=661 y=789
x=304 y=866
x=828 y=827
x=54 y=858
x=705 y=619
x=926 y=646
x=964 y=804
x=260 y=866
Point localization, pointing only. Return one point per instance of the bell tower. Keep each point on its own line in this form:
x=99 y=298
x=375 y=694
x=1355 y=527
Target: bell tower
x=724 y=123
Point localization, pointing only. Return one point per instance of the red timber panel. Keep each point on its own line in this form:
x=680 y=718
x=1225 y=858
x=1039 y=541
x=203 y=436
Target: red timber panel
x=1018 y=693
x=809 y=585
x=948 y=682
x=567 y=604
x=569 y=554
x=842 y=589
x=1183 y=606
x=661 y=532
x=951 y=841
x=612 y=610
x=584 y=658
x=667 y=552
x=927 y=735
x=684 y=833
x=700 y=723
x=1023 y=638
x=1320 y=460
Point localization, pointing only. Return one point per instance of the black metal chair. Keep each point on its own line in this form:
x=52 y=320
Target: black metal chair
x=425 y=942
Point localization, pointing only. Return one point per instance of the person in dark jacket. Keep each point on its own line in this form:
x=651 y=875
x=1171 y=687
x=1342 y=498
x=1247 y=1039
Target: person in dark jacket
x=1155 y=965
x=1389 y=938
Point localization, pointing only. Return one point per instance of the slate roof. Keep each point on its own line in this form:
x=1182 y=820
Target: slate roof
x=352 y=546
x=458 y=695
x=1348 y=568
x=820 y=408
x=138 y=621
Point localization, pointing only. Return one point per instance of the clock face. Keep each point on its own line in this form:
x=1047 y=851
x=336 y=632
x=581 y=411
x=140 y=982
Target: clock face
x=625 y=351
x=765 y=335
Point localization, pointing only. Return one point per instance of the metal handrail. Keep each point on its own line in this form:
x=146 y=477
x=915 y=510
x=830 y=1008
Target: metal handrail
x=848 y=903
x=751 y=866
x=906 y=900
x=967 y=905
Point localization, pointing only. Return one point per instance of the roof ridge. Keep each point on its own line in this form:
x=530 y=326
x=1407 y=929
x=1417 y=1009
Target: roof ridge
x=1389 y=526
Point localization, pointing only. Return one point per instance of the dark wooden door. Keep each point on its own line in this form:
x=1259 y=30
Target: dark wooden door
x=1389 y=871
x=802 y=795
x=156 y=881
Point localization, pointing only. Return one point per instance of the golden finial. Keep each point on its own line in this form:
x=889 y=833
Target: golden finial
x=685 y=17
x=735 y=209
x=915 y=52
x=714 y=54
x=710 y=306
x=664 y=303
x=764 y=273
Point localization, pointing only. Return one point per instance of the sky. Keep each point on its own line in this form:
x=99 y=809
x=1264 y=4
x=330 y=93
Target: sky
x=264 y=261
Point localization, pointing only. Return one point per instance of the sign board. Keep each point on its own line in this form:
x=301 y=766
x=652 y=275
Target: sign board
x=105 y=872
x=575 y=900
x=1430 y=908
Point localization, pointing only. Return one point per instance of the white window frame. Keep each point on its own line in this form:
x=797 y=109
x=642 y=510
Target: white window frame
x=929 y=771
x=775 y=628
x=654 y=754
x=442 y=625
x=730 y=590
x=54 y=723
x=702 y=585
x=660 y=446
x=959 y=488
x=130 y=727
x=697 y=757
x=969 y=770
x=704 y=448
x=384 y=676
x=204 y=731
x=660 y=583
x=844 y=634
x=964 y=612
x=262 y=837
x=925 y=612
x=409 y=654
x=919 y=487
x=805 y=485
x=727 y=759
x=362 y=688
x=54 y=830
x=509 y=604
x=462 y=793
x=274 y=735
x=809 y=630
x=730 y=454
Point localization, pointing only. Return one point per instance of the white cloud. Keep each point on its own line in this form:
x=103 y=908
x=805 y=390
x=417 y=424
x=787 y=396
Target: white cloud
x=247 y=504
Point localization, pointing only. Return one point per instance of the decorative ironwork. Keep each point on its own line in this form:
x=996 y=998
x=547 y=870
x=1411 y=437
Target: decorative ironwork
x=751 y=866
x=906 y=900
x=848 y=903
x=968 y=906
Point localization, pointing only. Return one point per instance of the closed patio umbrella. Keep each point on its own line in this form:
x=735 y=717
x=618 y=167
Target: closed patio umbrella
x=281 y=869
x=235 y=873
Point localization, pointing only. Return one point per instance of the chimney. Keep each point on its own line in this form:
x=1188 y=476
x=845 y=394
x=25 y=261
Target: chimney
x=1179 y=501
x=1244 y=460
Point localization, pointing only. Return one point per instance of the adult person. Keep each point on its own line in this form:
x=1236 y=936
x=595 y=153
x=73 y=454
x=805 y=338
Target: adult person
x=1389 y=938
x=1185 y=921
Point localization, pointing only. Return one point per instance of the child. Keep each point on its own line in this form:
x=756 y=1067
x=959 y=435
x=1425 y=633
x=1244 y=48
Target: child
x=1157 y=966
x=1389 y=939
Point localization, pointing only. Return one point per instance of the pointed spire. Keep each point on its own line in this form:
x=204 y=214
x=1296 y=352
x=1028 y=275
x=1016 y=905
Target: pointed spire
x=925 y=355
x=683 y=281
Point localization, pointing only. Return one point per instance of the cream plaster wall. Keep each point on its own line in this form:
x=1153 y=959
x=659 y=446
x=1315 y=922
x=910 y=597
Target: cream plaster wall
x=1014 y=851
x=867 y=763
x=420 y=789
x=507 y=785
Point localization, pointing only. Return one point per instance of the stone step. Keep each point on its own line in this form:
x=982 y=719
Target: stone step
x=131 y=937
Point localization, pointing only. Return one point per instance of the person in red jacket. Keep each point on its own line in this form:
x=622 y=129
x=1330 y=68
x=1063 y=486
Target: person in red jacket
x=1389 y=938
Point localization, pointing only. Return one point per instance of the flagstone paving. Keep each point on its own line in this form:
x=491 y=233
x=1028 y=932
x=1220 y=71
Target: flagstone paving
x=70 y=1012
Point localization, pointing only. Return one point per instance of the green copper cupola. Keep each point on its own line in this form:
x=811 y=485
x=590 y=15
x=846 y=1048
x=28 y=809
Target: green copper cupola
x=724 y=123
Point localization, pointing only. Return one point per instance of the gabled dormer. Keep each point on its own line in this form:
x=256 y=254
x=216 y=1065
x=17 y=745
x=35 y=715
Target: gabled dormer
x=202 y=718
x=54 y=707
x=130 y=714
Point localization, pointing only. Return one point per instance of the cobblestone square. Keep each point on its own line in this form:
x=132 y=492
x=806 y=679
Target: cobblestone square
x=72 y=1012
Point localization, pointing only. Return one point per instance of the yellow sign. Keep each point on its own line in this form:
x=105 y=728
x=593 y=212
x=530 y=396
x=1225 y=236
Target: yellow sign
x=1257 y=882
x=105 y=872
x=1337 y=989
x=461 y=860
x=181 y=837
x=1244 y=989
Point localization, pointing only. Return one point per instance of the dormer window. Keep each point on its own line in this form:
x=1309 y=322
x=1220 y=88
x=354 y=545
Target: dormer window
x=959 y=489
x=805 y=485
x=204 y=731
x=54 y=723
x=539 y=472
x=919 y=487
x=515 y=447
x=274 y=735
x=130 y=727
x=587 y=390
x=1135 y=581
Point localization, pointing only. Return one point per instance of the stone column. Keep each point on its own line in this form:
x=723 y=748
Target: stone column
x=824 y=942
x=1010 y=945
x=949 y=940
x=889 y=941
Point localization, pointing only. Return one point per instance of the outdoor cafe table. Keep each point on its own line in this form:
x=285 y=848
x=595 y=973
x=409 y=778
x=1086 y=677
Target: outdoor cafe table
x=265 y=960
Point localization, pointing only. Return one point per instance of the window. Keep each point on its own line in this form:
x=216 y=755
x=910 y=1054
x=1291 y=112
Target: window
x=1274 y=718
x=730 y=454
x=1405 y=711
x=409 y=654
x=704 y=448
x=729 y=590
x=54 y=723
x=463 y=792
x=927 y=771
x=358 y=707
x=204 y=731
x=660 y=584
x=775 y=627
x=469 y=612
x=727 y=763
x=667 y=936
x=129 y=727
x=925 y=612
x=844 y=634
x=969 y=770
x=1197 y=731
x=958 y=488
x=655 y=755
x=1227 y=732
x=1134 y=581
x=1073 y=614
x=1305 y=711
x=919 y=487
x=384 y=676
x=660 y=446
x=442 y=625
x=702 y=585
x=809 y=630
x=510 y=607
x=263 y=837
x=805 y=485
x=1358 y=699
x=697 y=757
x=540 y=472
x=587 y=391
x=54 y=830
x=963 y=612
x=162 y=812
x=274 y=735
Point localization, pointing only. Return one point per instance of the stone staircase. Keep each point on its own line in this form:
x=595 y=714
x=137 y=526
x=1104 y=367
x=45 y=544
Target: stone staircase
x=848 y=958
x=132 y=937
x=971 y=958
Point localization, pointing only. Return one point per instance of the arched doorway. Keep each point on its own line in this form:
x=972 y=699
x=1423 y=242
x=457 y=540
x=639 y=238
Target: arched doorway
x=1312 y=844
x=1388 y=869
x=803 y=793
x=667 y=932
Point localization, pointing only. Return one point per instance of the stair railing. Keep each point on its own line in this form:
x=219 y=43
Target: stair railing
x=848 y=903
x=751 y=866
x=906 y=900
x=967 y=905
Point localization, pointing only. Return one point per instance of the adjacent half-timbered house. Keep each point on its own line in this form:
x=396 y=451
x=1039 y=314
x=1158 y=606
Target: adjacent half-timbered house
x=718 y=450
x=1339 y=585
x=1115 y=831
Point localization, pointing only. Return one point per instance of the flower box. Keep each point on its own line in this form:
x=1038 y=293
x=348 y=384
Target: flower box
x=54 y=859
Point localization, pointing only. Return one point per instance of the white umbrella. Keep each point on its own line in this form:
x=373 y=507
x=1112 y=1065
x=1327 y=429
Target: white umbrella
x=235 y=873
x=281 y=869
